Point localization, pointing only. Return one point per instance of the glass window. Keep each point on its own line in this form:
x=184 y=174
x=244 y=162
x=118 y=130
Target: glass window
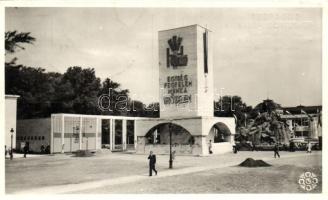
x=42 y=137
x=39 y=137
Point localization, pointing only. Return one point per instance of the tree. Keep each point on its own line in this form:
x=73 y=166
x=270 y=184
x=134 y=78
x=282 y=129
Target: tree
x=267 y=105
x=118 y=102
x=75 y=91
x=14 y=40
x=230 y=106
x=35 y=98
x=78 y=91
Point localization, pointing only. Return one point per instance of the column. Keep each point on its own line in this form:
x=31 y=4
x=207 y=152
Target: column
x=134 y=134
x=62 y=133
x=97 y=129
x=200 y=147
x=123 y=134
x=80 y=134
x=52 y=135
x=111 y=134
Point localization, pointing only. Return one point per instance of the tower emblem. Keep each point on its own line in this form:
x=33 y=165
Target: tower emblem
x=174 y=54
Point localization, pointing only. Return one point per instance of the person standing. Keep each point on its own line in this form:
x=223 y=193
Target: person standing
x=309 y=147
x=25 y=149
x=276 y=150
x=6 y=151
x=152 y=162
x=42 y=149
x=210 y=147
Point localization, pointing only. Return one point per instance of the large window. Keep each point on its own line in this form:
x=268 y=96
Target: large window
x=130 y=132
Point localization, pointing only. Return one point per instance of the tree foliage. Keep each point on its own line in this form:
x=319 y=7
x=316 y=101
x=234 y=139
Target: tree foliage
x=14 y=40
x=232 y=106
x=75 y=91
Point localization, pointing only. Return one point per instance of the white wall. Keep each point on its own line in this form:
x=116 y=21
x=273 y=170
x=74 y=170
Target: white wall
x=10 y=119
x=193 y=47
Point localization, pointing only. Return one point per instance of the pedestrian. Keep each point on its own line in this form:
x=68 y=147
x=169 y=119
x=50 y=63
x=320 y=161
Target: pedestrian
x=11 y=153
x=6 y=151
x=309 y=146
x=253 y=147
x=25 y=149
x=42 y=149
x=276 y=150
x=291 y=146
x=234 y=148
x=210 y=147
x=152 y=162
x=47 y=150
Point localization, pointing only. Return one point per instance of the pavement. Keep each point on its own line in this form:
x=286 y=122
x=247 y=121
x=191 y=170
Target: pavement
x=20 y=155
x=183 y=165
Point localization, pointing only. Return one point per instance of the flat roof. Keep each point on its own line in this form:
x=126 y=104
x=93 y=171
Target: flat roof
x=185 y=27
x=97 y=116
x=11 y=96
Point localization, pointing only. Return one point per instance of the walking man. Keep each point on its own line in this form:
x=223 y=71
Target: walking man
x=25 y=149
x=152 y=162
x=276 y=150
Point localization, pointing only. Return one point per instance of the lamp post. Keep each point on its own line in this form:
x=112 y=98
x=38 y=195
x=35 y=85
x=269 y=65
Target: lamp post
x=171 y=160
x=11 y=143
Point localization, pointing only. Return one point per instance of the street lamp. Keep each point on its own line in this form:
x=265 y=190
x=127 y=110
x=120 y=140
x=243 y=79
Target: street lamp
x=171 y=160
x=11 y=143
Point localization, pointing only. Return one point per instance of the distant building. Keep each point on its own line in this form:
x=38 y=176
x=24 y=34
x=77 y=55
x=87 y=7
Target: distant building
x=304 y=122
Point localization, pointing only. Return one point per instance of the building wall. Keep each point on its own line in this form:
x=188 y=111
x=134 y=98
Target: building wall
x=199 y=128
x=201 y=88
x=74 y=132
x=34 y=131
x=10 y=119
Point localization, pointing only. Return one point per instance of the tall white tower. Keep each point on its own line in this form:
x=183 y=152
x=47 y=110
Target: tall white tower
x=186 y=72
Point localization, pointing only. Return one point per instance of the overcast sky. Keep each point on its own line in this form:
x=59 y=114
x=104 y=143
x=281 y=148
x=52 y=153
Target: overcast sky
x=258 y=53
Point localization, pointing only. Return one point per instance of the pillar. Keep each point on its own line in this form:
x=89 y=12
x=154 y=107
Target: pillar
x=200 y=147
x=52 y=135
x=97 y=129
x=80 y=134
x=62 y=133
x=111 y=130
x=123 y=134
x=134 y=134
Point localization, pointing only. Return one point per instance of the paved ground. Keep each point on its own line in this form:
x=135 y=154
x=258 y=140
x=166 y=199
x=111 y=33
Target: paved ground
x=127 y=173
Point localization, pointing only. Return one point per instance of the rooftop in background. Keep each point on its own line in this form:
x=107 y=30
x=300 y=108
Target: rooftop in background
x=307 y=109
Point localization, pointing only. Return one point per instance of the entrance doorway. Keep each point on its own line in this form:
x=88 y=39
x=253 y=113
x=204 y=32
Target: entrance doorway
x=105 y=133
x=118 y=135
x=130 y=135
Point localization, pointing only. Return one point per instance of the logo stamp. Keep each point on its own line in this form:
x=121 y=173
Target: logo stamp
x=308 y=181
x=175 y=56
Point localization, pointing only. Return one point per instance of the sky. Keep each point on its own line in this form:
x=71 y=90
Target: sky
x=259 y=53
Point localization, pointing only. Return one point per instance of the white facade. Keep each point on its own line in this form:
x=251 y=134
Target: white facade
x=10 y=119
x=72 y=132
x=186 y=97
x=189 y=80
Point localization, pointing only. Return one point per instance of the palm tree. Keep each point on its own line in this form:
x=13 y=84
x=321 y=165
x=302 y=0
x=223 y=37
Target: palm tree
x=13 y=40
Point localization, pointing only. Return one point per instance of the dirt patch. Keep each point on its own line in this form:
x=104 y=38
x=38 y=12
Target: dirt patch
x=250 y=162
x=83 y=153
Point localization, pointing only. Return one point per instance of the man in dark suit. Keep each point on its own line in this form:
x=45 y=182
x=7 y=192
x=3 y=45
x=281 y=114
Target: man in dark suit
x=152 y=162
x=276 y=150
